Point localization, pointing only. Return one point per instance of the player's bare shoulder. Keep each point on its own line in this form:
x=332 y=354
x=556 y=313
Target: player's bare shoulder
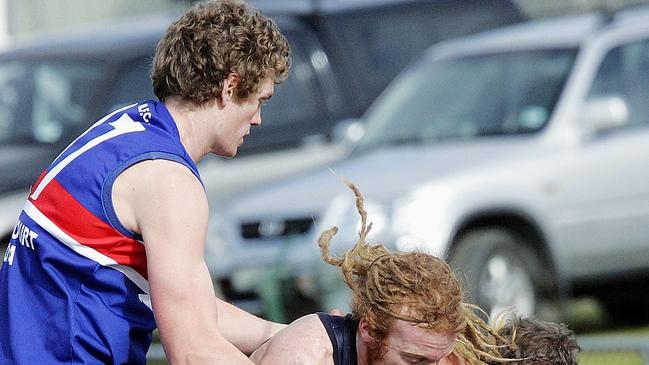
x=154 y=187
x=304 y=342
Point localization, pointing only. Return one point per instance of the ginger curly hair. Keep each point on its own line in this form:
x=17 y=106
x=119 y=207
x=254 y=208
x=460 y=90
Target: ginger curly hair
x=212 y=40
x=411 y=286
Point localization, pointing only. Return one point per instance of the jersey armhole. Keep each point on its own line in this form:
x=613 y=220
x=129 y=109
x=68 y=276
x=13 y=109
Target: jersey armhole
x=107 y=187
x=328 y=325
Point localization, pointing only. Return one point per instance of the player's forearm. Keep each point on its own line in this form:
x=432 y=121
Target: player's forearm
x=244 y=330
x=189 y=333
x=221 y=356
x=186 y=315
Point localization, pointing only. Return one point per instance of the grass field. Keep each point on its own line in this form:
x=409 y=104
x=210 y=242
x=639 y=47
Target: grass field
x=611 y=358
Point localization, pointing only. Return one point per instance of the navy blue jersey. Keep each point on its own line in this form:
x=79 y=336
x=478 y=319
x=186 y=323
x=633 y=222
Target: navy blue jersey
x=73 y=284
x=342 y=334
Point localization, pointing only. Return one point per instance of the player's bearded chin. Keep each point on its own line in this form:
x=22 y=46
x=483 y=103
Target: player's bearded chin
x=375 y=351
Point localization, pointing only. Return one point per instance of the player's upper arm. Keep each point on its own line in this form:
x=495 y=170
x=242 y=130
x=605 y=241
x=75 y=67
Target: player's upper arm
x=303 y=342
x=163 y=201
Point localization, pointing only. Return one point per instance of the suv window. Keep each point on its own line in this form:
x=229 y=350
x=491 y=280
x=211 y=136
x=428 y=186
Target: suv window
x=625 y=72
x=45 y=101
x=470 y=97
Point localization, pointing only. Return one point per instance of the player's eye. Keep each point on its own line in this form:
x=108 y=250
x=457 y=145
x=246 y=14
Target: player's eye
x=415 y=360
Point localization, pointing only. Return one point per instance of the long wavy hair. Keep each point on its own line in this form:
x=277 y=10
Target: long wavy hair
x=212 y=40
x=411 y=286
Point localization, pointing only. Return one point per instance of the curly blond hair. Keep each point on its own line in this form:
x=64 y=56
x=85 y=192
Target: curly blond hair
x=537 y=342
x=515 y=340
x=212 y=40
x=411 y=286
x=479 y=343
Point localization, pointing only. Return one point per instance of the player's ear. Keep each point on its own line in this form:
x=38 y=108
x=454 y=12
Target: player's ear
x=365 y=331
x=229 y=87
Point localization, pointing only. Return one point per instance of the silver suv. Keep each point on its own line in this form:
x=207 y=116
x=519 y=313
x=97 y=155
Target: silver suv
x=521 y=155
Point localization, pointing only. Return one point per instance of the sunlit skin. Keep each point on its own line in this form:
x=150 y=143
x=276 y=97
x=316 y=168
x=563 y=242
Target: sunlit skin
x=407 y=344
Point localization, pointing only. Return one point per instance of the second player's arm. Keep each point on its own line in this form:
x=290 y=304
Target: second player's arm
x=246 y=331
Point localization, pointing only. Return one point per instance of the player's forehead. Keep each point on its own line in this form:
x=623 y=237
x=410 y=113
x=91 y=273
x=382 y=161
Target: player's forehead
x=412 y=338
x=266 y=87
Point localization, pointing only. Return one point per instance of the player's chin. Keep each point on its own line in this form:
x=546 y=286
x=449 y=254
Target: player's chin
x=226 y=152
x=234 y=150
x=231 y=153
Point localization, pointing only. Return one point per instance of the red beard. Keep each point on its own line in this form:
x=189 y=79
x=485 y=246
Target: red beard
x=375 y=351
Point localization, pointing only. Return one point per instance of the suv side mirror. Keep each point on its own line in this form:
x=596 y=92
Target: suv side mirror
x=348 y=131
x=605 y=112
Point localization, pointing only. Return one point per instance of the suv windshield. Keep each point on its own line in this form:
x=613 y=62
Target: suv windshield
x=470 y=97
x=44 y=101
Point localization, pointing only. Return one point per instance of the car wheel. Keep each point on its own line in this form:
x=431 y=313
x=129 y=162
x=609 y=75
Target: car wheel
x=500 y=272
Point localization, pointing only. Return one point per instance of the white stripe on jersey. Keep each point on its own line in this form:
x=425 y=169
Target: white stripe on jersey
x=100 y=121
x=121 y=126
x=85 y=251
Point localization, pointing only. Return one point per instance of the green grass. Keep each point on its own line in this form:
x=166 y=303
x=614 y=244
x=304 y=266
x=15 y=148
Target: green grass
x=587 y=317
x=611 y=358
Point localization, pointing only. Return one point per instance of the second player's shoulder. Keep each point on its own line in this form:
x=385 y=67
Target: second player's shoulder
x=308 y=331
x=313 y=326
x=304 y=341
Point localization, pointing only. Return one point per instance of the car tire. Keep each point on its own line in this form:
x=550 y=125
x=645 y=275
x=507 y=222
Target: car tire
x=500 y=271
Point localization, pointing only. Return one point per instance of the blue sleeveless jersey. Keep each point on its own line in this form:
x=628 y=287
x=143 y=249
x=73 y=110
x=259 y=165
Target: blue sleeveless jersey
x=73 y=282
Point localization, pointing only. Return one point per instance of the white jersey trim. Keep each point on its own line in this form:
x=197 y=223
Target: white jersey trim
x=121 y=126
x=85 y=251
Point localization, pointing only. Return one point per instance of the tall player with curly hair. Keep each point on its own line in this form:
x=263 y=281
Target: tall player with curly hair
x=111 y=239
x=406 y=309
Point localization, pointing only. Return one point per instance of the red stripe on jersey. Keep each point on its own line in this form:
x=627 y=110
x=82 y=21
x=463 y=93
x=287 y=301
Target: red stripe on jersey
x=79 y=223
